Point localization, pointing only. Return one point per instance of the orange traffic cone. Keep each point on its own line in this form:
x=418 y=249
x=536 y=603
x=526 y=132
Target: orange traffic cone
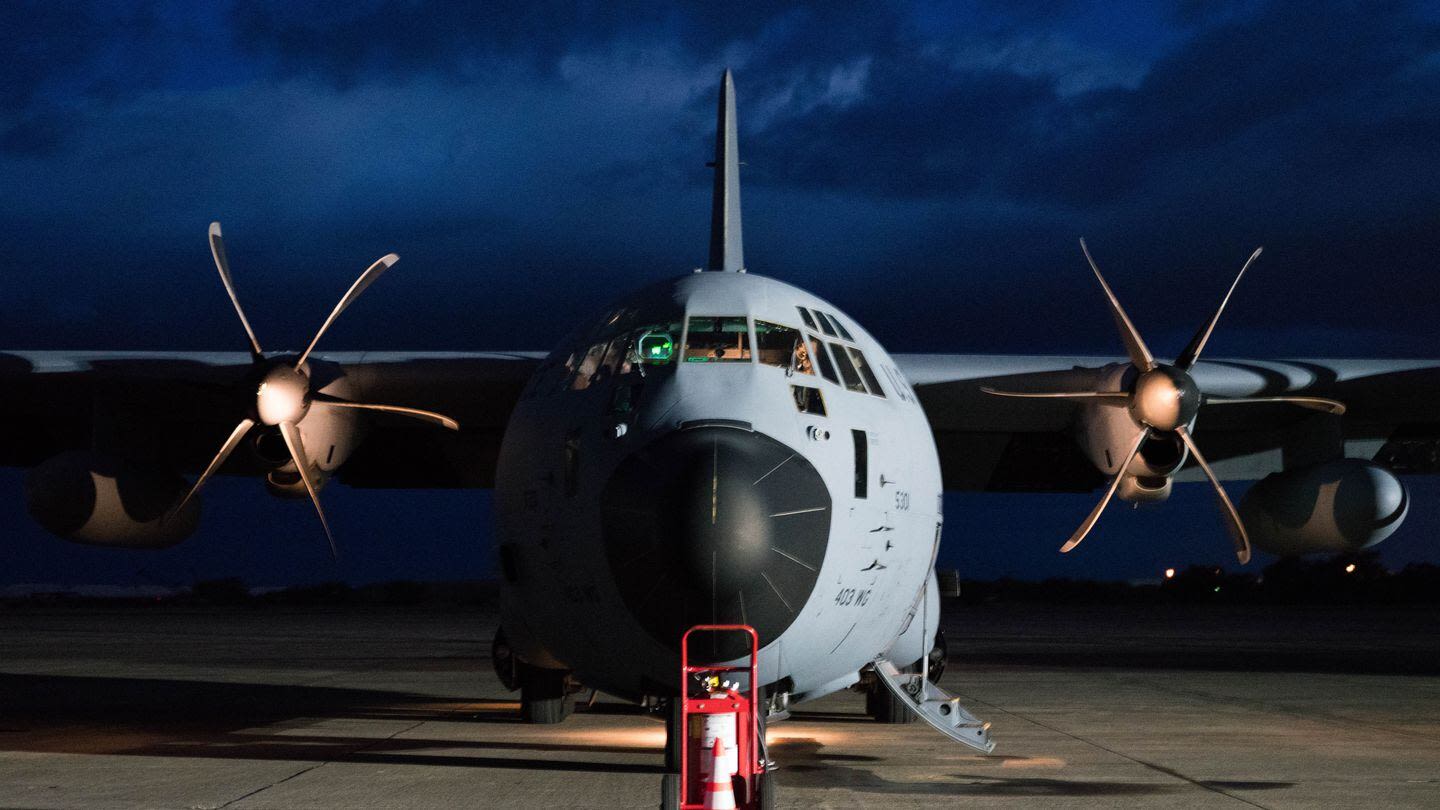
x=719 y=793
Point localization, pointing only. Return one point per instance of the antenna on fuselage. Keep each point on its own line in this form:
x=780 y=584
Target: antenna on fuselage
x=727 y=251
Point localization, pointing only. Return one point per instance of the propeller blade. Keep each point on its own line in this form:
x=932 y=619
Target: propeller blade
x=217 y=250
x=1077 y=396
x=1134 y=345
x=1187 y=358
x=225 y=450
x=291 y=433
x=400 y=410
x=1105 y=501
x=1321 y=404
x=365 y=280
x=1238 y=535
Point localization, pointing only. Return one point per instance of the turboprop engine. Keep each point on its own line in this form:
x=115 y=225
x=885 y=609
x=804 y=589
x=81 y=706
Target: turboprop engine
x=1106 y=435
x=1146 y=436
x=1339 y=506
x=280 y=395
x=107 y=501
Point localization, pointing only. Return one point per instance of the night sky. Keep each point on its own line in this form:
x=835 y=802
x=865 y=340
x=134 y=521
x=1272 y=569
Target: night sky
x=927 y=167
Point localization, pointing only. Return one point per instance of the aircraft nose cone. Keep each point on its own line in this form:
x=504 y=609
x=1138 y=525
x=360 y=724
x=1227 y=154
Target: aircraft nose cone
x=715 y=525
x=725 y=532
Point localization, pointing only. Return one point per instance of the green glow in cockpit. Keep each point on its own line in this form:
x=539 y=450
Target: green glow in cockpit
x=656 y=347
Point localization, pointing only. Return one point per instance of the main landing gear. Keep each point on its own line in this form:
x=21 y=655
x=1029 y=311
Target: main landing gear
x=546 y=695
x=885 y=707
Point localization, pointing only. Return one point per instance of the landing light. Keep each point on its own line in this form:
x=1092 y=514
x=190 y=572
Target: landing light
x=1169 y=573
x=1350 y=569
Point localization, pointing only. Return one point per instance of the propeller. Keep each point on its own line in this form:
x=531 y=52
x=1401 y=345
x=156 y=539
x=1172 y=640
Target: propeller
x=1164 y=400
x=282 y=394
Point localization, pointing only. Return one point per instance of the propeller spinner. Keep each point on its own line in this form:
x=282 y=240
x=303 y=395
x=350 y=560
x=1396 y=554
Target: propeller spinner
x=1164 y=400
x=283 y=395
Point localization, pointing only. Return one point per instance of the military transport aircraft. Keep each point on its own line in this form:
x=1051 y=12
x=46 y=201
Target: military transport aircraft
x=721 y=447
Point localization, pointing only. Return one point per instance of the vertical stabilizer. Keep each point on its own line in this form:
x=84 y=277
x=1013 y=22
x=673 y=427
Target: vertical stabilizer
x=727 y=251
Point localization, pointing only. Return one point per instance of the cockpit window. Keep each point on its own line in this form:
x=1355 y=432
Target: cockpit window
x=822 y=359
x=805 y=316
x=808 y=400
x=782 y=346
x=655 y=346
x=844 y=333
x=847 y=369
x=871 y=381
x=825 y=325
x=588 y=366
x=717 y=340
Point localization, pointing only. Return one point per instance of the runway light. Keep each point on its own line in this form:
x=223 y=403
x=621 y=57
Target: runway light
x=1169 y=573
x=1350 y=569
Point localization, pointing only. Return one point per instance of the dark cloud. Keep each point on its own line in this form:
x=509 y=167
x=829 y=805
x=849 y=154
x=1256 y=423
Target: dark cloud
x=348 y=42
x=38 y=134
x=42 y=41
x=1308 y=84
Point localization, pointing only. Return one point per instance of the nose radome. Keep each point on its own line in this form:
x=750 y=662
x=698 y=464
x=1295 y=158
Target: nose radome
x=715 y=525
x=725 y=531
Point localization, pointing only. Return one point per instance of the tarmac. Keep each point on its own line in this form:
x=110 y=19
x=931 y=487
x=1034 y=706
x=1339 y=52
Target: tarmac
x=286 y=707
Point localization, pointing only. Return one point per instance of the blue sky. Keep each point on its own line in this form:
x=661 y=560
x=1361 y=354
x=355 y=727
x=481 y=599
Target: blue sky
x=927 y=166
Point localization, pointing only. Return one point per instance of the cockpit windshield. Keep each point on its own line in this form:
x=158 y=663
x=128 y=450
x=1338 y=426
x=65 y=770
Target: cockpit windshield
x=782 y=346
x=717 y=339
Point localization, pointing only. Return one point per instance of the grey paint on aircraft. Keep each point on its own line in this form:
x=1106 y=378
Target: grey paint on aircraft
x=727 y=251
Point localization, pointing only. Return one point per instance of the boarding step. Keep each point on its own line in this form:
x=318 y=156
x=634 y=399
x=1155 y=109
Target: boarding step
x=935 y=706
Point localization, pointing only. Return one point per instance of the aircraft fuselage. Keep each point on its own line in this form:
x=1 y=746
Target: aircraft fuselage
x=721 y=447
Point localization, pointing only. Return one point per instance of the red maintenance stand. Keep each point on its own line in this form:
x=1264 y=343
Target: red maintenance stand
x=706 y=711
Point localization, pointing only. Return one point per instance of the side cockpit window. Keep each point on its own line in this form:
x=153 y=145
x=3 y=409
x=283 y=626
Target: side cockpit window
x=844 y=333
x=805 y=316
x=848 y=371
x=654 y=345
x=711 y=339
x=825 y=324
x=808 y=400
x=589 y=365
x=782 y=346
x=871 y=381
x=821 y=358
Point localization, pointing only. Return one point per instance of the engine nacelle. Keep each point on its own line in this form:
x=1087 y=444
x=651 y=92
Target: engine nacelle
x=1339 y=506
x=1143 y=489
x=1106 y=432
x=106 y=501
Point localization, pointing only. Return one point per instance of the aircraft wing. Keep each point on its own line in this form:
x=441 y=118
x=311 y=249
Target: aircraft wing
x=996 y=443
x=177 y=407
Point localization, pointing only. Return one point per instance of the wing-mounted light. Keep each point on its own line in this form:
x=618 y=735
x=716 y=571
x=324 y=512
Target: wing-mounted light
x=280 y=394
x=1163 y=401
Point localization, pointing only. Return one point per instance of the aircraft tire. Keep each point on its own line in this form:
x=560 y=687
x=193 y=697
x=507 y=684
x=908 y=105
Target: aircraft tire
x=766 y=791
x=672 y=737
x=939 y=657
x=507 y=666
x=884 y=707
x=544 y=695
x=670 y=791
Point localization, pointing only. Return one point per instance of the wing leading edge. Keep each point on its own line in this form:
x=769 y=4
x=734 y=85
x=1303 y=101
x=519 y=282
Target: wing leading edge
x=1008 y=444
x=175 y=407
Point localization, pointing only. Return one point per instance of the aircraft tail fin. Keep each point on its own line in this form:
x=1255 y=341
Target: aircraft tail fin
x=727 y=251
